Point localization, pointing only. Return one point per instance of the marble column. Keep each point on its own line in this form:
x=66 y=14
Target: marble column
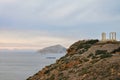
x=103 y=36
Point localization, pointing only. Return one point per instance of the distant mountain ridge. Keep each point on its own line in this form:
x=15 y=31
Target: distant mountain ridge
x=53 y=49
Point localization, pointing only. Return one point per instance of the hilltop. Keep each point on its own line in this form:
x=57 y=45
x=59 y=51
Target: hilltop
x=85 y=60
x=53 y=49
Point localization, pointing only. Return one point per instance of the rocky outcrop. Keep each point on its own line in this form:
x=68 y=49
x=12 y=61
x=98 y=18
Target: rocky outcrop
x=85 y=60
x=53 y=49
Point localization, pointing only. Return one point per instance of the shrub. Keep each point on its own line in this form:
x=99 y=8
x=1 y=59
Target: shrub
x=94 y=57
x=116 y=50
x=81 y=51
x=85 y=59
x=106 y=55
x=52 y=77
x=47 y=71
x=117 y=78
x=90 y=55
x=94 y=61
x=86 y=44
x=103 y=54
x=92 y=41
x=84 y=71
x=99 y=52
x=62 y=77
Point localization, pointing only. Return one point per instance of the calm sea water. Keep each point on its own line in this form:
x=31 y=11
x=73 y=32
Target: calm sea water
x=21 y=65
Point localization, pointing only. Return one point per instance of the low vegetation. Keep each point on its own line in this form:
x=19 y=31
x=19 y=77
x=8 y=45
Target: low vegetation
x=103 y=54
x=116 y=50
x=87 y=44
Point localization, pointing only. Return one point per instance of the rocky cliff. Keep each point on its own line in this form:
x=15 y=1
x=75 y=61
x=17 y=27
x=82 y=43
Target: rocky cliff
x=85 y=60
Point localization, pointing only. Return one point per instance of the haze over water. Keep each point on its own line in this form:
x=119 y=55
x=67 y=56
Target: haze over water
x=21 y=65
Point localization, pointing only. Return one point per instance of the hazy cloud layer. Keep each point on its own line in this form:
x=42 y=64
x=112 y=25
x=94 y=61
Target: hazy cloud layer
x=58 y=19
x=63 y=12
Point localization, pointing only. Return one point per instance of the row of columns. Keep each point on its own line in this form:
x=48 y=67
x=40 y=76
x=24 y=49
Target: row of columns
x=112 y=36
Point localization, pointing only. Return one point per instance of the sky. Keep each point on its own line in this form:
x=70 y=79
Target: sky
x=35 y=24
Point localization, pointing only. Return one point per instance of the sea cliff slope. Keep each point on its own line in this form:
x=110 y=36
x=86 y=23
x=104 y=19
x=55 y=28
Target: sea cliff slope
x=85 y=60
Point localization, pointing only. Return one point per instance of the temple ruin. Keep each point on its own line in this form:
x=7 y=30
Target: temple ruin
x=112 y=36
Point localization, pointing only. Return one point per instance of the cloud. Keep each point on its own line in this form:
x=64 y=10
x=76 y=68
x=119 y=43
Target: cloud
x=64 y=12
x=7 y=1
x=35 y=44
x=30 y=40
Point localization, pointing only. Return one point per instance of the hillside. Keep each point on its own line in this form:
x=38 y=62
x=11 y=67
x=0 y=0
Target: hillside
x=85 y=60
x=53 y=49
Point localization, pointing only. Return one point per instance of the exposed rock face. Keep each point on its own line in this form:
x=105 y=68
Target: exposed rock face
x=85 y=60
x=53 y=49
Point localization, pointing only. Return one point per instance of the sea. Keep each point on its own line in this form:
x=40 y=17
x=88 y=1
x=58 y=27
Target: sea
x=19 y=65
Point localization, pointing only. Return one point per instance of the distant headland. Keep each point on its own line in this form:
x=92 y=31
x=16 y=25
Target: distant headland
x=53 y=49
